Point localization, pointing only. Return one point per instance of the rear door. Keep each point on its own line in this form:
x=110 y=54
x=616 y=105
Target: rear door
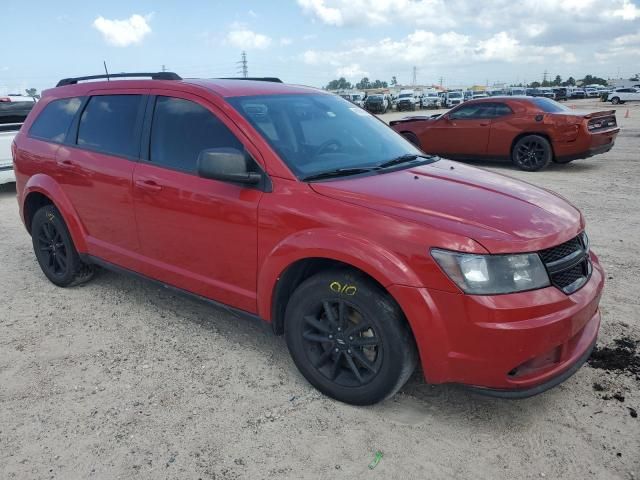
x=96 y=169
x=462 y=132
x=196 y=234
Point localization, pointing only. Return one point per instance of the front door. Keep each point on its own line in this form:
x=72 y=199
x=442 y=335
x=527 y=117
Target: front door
x=196 y=234
x=463 y=131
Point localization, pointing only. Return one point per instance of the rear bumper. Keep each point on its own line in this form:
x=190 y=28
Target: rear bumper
x=587 y=145
x=513 y=345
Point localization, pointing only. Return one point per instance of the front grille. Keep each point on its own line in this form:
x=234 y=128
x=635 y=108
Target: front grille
x=568 y=264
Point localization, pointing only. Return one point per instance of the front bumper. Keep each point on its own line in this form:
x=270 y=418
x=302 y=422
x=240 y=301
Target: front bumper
x=510 y=345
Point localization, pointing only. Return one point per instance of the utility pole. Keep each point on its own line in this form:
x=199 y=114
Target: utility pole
x=243 y=65
x=164 y=68
x=544 y=77
x=441 y=80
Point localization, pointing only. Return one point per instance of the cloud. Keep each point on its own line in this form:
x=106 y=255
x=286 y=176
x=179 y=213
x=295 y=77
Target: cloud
x=352 y=71
x=627 y=11
x=284 y=41
x=122 y=33
x=380 y=12
x=241 y=37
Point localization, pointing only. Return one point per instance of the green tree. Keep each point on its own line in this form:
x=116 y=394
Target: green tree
x=394 y=81
x=339 y=84
x=534 y=85
x=32 y=92
x=557 y=81
x=569 y=82
x=363 y=84
x=379 y=84
x=589 y=79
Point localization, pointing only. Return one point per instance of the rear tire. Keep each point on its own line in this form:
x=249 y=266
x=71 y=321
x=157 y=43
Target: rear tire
x=349 y=338
x=615 y=101
x=531 y=153
x=55 y=251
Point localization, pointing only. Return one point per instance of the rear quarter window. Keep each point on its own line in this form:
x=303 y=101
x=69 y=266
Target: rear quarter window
x=108 y=124
x=54 y=120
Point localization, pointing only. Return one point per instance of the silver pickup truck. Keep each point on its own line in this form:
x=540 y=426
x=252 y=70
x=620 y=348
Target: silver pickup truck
x=13 y=111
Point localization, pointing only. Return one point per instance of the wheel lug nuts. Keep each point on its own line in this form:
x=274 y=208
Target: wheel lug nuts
x=339 y=329
x=350 y=339
x=349 y=351
x=330 y=337
x=337 y=350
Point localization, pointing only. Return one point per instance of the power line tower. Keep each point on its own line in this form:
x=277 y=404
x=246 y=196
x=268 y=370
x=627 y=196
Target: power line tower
x=243 y=67
x=164 y=68
x=544 y=77
x=415 y=75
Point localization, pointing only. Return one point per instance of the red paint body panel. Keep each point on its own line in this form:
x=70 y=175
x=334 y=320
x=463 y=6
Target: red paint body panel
x=494 y=138
x=232 y=244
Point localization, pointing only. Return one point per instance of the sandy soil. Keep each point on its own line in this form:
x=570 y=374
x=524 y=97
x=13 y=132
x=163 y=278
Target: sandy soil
x=120 y=379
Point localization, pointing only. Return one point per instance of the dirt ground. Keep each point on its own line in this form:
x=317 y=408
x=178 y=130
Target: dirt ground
x=121 y=379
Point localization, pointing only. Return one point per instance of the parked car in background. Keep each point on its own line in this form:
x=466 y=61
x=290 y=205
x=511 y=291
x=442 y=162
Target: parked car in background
x=430 y=100
x=591 y=92
x=514 y=91
x=530 y=132
x=534 y=92
x=622 y=95
x=287 y=204
x=13 y=112
x=577 y=93
x=479 y=95
x=408 y=100
x=561 y=93
x=453 y=98
x=376 y=103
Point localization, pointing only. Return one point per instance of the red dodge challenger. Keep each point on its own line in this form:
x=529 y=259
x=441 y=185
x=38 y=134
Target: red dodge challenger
x=529 y=131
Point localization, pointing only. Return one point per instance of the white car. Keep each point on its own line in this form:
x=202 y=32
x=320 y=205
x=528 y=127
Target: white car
x=431 y=100
x=621 y=95
x=408 y=100
x=13 y=112
x=451 y=99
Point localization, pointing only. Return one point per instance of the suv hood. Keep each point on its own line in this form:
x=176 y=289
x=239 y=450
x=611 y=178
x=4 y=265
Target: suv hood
x=502 y=214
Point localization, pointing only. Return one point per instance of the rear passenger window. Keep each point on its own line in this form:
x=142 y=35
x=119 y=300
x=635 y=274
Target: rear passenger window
x=181 y=129
x=108 y=124
x=54 y=120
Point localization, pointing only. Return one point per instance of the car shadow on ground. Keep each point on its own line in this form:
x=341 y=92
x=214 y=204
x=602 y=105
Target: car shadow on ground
x=572 y=167
x=416 y=402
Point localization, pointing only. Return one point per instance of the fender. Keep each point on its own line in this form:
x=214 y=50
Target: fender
x=44 y=184
x=373 y=259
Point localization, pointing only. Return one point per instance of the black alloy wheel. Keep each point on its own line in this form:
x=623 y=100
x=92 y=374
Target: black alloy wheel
x=348 y=337
x=341 y=344
x=55 y=251
x=532 y=153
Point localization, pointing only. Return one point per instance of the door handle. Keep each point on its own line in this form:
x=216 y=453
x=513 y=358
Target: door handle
x=65 y=164
x=148 y=185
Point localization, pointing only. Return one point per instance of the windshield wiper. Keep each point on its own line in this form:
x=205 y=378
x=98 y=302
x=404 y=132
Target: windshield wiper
x=339 y=172
x=410 y=157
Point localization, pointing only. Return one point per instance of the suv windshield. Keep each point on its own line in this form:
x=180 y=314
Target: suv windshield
x=548 y=105
x=317 y=133
x=405 y=95
x=454 y=95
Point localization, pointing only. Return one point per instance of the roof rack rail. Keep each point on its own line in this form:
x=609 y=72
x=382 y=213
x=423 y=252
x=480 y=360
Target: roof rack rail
x=153 y=76
x=256 y=79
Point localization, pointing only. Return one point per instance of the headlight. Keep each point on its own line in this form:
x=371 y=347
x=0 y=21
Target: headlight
x=493 y=274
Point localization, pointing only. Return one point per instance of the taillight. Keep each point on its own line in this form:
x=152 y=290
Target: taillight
x=600 y=123
x=5 y=99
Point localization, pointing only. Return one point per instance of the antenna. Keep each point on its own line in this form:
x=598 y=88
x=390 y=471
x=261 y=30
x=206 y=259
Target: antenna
x=105 y=70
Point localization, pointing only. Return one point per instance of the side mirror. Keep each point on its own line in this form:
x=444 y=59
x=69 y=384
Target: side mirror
x=228 y=165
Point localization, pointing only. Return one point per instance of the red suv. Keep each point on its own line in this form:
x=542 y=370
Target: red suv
x=295 y=206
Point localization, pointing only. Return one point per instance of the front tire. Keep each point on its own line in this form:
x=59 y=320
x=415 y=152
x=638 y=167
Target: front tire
x=532 y=153
x=615 y=100
x=349 y=338
x=55 y=251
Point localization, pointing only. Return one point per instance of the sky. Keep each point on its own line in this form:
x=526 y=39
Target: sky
x=456 y=42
